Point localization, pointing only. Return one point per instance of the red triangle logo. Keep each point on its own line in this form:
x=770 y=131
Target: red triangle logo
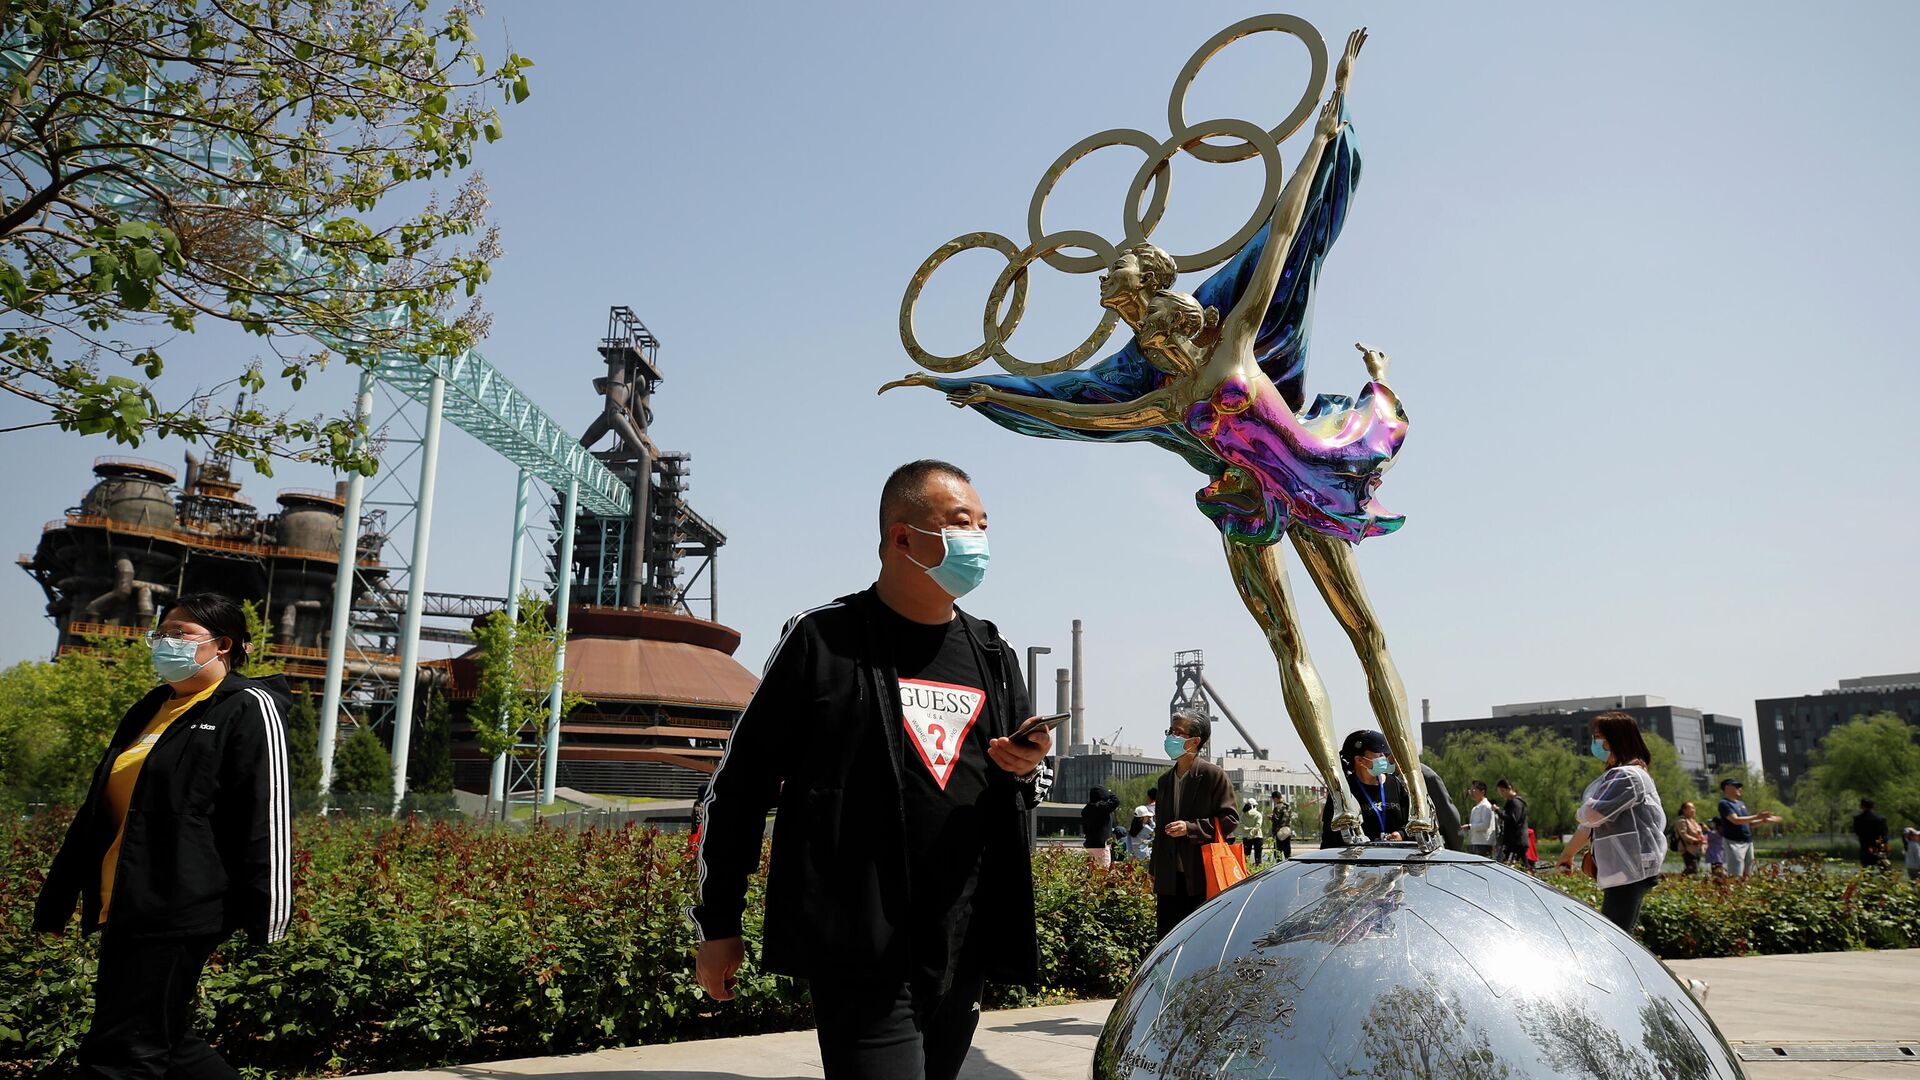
x=938 y=717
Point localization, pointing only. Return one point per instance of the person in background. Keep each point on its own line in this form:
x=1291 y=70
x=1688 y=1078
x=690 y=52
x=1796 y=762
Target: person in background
x=1871 y=830
x=1910 y=839
x=900 y=874
x=1372 y=777
x=1716 y=850
x=1198 y=808
x=1736 y=828
x=1621 y=820
x=1513 y=824
x=1140 y=829
x=183 y=838
x=1480 y=820
x=1692 y=838
x=1096 y=825
x=1446 y=816
x=1280 y=828
x=1254 y=829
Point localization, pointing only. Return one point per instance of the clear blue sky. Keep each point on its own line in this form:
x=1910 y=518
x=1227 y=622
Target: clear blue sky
x=1647 y=275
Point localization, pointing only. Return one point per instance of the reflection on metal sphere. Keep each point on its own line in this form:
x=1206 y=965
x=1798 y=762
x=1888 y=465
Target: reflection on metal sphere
x=1382 y=962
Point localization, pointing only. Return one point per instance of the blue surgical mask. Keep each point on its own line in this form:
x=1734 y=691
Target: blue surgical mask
x=964 y=566
x=1599 y=749
x=1382 y=766
x=1176 y=747
x=173 y=659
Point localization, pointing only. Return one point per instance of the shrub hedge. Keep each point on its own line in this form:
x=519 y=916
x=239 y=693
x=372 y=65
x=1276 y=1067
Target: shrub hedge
x=416 y=945
x=1797 y=906
x=430 y=944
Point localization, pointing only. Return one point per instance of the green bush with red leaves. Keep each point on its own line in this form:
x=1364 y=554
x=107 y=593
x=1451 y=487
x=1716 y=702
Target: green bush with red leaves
x=430 y=944
x=1797 y=906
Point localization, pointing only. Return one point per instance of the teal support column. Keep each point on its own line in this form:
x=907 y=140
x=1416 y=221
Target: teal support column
x=343 y=586
x=416 y=590
x=562 y=602
x=497 y=783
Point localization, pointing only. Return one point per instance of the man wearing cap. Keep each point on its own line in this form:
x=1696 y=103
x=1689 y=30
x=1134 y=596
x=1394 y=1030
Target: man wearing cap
x=1736 y=828
x=1384 y=804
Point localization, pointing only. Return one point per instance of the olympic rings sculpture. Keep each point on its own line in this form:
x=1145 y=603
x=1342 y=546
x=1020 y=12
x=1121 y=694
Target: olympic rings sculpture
x=1150 y=184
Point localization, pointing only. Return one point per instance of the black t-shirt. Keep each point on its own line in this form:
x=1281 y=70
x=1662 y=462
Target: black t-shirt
x=1513 y=823
x=1869 y=826
x=944 y=772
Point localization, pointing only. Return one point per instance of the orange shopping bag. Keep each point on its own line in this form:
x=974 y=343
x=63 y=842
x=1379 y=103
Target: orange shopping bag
x=1226 y=864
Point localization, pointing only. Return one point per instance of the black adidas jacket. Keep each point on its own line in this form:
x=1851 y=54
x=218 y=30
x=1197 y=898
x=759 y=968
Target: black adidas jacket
x=207 y=846
x=837 y=892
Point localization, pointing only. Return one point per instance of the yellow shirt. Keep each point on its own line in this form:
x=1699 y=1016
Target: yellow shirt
x=126 y=770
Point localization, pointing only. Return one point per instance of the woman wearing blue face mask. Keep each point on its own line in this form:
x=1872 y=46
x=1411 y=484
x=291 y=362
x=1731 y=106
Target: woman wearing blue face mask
x=1621 y=818
x=1374 y=779
x=183 y=838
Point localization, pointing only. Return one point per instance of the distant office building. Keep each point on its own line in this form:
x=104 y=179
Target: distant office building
x=1261 y=778
x=1074 y=775
x=1569 y=718
x=1791 y=728
x=1726 y=744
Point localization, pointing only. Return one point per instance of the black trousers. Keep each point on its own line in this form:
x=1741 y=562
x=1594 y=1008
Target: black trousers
x=1171 y=908
x=1621 y=904
x=143 y=1006
x=1253 y=850
x=1284 y=847
x=894 y=1031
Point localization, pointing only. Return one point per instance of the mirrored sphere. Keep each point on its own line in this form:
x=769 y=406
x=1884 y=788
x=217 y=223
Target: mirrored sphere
x=1382 y=962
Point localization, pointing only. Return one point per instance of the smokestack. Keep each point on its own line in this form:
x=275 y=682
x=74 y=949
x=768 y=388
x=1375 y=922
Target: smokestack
x=1079 y=722
x=1426 y=710
x=1060 y=677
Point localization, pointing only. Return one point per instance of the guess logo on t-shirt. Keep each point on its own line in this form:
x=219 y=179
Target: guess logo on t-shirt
x=937 y=718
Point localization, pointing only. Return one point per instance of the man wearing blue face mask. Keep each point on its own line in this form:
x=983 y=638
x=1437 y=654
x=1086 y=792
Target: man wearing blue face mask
x=899 y=879
x=1197 y=808
x=1373 y=777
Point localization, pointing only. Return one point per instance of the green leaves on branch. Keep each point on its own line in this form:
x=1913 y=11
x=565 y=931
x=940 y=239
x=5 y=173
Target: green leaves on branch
x=181 y=159
x=516 y=677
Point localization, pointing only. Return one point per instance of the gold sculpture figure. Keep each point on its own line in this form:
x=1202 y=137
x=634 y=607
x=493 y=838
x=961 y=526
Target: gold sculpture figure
x=1204 y=385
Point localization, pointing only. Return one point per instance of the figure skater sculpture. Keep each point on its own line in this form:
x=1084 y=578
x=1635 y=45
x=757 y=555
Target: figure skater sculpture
x=1225 y=392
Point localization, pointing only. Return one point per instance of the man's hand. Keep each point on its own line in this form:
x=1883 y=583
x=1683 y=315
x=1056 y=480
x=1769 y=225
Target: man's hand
x=1176 y=828
x=1021 y=757
x=715 y=965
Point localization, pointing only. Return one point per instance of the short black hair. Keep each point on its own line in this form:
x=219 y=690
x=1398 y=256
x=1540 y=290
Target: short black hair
x=1503 y=782
x=223 y=617
x=906 y=488
x=1477 y=785
x=1866 y=804
x=1195 y=722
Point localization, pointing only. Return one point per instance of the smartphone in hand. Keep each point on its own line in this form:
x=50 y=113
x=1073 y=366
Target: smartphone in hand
x=1025 y=732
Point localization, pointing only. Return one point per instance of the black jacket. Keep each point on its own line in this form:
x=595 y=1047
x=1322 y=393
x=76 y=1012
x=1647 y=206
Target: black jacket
x=1096 y=818
x=1208 y=807
x=1446 y=816
x=206 y=847
x=1393 y=791
x=837 y=888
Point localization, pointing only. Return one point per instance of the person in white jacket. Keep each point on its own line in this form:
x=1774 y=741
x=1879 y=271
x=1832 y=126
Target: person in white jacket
x=1621 y=819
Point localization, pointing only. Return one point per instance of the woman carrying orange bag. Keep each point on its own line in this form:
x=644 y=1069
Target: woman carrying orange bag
x=1196 y=806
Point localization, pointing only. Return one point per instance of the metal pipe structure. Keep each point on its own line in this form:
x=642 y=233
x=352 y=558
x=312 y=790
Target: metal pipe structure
x=416 y=588
x=1078 y=725
x=1034 y=653
x=1258 y=752
x=1061 y=695
x=562 y=604
x=497 y=782
x=343 y=588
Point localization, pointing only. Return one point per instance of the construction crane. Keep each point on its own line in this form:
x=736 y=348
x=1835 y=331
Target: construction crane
x=1191 y=690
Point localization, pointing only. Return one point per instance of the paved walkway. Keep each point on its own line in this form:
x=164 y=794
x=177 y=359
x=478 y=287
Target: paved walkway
x=1799 y=1003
